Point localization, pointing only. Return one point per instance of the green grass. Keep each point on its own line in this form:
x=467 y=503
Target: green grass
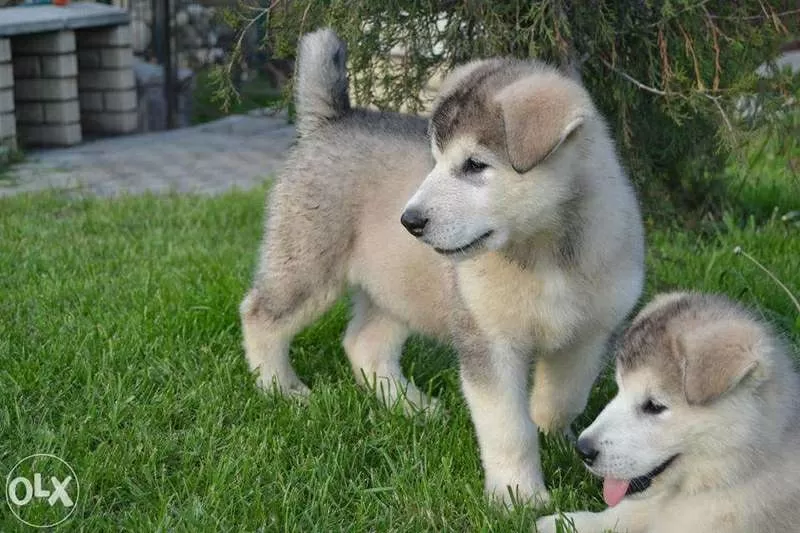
x=766 y=176
x=120 y=352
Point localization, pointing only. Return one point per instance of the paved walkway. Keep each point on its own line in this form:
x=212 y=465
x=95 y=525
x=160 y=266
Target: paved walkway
x=238 y=151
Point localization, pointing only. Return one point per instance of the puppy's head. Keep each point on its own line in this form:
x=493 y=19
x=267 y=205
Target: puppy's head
x=509 y=139
x=691 y=375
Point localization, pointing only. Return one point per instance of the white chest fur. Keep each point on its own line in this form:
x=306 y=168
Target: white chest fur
x=533 y=308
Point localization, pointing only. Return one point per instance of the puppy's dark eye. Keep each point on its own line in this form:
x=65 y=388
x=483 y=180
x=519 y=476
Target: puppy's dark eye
x=651 y=407
x=472 y=166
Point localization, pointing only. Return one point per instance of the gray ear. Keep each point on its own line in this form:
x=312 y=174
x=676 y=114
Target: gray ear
x=539 y=115
x=461 y=73
x=451 y=83
x=716 y=358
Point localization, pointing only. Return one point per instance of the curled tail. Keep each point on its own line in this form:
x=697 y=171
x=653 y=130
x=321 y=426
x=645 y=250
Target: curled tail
x=321 y=83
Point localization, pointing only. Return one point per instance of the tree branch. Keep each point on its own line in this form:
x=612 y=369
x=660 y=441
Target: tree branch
x=763 y=16
x=721 y=110
x=636 y=82
x=659 y=92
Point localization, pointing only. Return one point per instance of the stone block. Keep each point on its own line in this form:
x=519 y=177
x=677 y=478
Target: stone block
x=27 y=67
x=120 y=100
x=62 y=112
x=91 y=101
x=55 y=89
x=116 y=58
x=50 y=135
x=106 y=79
x=6 y=75
x=5 y=50
x=6 y=100
x=107 y=122
x=104 y=37
x=30 y=113
x=57 y=42
x=89 y=59
x=60 y=66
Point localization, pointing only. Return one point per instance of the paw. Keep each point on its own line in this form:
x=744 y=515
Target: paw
x=553 y=423
x=394 y=391
x=555 y=524
x=515 y=497
x=552 y=412
x=512 y=479
x=289 y=386
x=423 y=405
x=546 y=524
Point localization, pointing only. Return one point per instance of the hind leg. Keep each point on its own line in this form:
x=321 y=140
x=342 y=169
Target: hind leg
x=563 y=380
x=374 y=344
x=270 y=321
x=301 y=272
x=267 y=334
x=297 y=281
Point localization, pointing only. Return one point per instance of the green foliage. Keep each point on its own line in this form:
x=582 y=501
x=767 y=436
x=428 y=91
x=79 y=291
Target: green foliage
x=253 y=94
x=666 y=73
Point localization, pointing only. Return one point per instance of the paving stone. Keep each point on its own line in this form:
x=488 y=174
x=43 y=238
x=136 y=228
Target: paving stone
x=235 y=152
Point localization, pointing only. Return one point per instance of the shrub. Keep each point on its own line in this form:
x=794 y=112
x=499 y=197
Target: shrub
x=666 y=73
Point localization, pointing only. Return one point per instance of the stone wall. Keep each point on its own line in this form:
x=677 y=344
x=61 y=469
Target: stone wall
x=65 y=84
x=201 y=37
x=106 y=83
x=65 y=72
x=46 y=88
x=8 y=123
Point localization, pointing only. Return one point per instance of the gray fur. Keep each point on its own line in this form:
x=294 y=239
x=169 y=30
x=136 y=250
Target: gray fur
x=321 y=82
x=468 y=102
x=647 y=335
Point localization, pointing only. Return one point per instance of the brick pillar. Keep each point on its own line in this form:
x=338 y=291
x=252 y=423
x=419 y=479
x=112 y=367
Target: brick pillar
x=46 y=89
x=106 y=82
x=8 y=123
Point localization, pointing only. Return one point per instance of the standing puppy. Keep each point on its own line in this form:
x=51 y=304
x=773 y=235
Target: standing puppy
x=704 y=433
x=524 y=242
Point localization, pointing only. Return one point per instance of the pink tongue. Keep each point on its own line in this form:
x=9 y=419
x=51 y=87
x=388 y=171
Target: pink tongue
x=614 y=490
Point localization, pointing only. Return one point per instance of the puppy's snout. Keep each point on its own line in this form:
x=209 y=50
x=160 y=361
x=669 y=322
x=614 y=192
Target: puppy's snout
x=586 y=449
x=414 y=221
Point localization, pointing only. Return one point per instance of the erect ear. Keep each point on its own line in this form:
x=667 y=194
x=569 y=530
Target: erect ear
x=716 y=358
x=539 y=114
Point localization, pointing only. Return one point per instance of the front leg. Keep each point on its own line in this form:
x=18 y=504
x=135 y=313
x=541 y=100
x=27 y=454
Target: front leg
x=494 y=378
x=563 y=380
x=630 y=516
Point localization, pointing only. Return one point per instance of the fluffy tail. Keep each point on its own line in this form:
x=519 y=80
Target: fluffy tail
x=321 y=83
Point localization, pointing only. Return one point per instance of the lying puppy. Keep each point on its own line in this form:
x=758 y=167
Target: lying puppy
x=522 y=241
x=704 y=433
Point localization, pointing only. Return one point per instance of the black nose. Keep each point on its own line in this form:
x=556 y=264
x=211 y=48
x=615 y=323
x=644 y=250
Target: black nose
x=587 y=451
x=414 y=222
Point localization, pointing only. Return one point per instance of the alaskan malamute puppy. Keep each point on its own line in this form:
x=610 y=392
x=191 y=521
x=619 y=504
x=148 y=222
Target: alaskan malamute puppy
x=522 y=242
x=704 y=433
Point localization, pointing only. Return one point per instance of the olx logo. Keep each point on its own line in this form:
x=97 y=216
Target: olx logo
x=42 y=490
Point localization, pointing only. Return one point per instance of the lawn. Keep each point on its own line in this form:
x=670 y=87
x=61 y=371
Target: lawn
x=120 y=353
